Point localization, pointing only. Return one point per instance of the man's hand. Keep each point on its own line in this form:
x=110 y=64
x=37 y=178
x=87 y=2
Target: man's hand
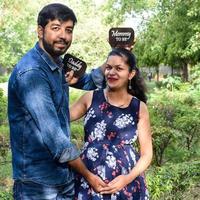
x=116 y=185
x=96 y=182
x=70 y=79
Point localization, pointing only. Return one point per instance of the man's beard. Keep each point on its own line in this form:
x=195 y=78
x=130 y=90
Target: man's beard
x=53 y=52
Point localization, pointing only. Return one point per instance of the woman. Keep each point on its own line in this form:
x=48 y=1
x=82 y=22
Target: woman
x=114 y=119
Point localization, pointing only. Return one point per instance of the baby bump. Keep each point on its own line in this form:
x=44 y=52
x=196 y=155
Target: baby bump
x=109 y=161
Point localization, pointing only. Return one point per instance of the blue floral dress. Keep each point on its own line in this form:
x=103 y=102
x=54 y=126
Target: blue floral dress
x=110 y=133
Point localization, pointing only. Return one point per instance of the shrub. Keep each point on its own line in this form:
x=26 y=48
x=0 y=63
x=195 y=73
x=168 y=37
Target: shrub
x=77 y=133
x=4 y=78
x=169 y=181
x=194 y=79
x=171 y=83
x=175 y=122
x=3 y=108
x=6 y=195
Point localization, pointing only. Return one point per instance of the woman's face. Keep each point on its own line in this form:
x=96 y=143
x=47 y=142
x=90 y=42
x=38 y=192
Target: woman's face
x=117 y=72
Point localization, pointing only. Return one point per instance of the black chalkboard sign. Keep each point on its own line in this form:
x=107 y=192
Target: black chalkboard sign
x=120 y=37
x=72 y=63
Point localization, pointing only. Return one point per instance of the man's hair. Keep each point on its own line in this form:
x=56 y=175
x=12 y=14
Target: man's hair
x=55 y=11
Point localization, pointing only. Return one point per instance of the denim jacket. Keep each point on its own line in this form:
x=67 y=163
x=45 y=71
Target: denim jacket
x=38 y=113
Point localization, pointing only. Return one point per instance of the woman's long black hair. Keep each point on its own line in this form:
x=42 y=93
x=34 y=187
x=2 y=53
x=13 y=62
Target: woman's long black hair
x=138 y=87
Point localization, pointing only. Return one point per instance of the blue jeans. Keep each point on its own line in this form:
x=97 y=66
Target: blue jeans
x=28 y=190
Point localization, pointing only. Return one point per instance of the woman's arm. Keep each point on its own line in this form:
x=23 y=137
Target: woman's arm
x=146 y=153
x=79 y=108
x=145 y=142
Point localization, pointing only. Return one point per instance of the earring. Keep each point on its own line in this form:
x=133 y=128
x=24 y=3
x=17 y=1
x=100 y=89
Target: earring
x=129 y=85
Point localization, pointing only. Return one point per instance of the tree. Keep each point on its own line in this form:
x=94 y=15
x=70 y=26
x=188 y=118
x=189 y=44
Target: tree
x=90 y=34
x=18 y=30
x=115 y=12
x=174 y=31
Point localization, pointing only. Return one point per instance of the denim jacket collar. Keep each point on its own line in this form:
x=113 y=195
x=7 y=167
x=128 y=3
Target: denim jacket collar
x=53 y=66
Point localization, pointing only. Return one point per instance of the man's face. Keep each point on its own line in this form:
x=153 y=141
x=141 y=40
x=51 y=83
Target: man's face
x=56 y=37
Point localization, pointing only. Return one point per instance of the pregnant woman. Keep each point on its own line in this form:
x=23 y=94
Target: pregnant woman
x=115 y=119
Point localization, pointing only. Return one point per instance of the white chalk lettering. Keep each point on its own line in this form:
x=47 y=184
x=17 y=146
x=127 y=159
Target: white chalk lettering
x=74 y=65
x=121 y=34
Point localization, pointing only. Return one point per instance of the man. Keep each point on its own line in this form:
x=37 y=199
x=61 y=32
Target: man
x=42 y=153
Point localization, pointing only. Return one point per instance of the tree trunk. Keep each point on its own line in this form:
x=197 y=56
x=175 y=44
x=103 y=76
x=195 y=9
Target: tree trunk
x=157 y=73
x=185 y=72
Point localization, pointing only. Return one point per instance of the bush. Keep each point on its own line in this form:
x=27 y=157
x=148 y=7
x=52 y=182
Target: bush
x=4 y=136
x=4 y=78
x=172 y=82
x=175 y=122
x=168 y=182
x=6 y=195
x=3 y=108
x=194 y=79
x=77 y=133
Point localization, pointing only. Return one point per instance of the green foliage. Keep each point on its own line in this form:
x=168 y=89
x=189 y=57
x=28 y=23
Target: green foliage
x=170 y=181
x=90 y=34
x=3 y=106
x=77 y=133
x=4 y=139
x=18 y=31
x=3 y=79
x=193 y=47
x=4 y=195
x=171 y=36
x=5 y=177
x=175 y=121
x=162 y=115
x=115 y=12
x=195 y=77
x=171 y=82
x=4 y=146
x=188 y=123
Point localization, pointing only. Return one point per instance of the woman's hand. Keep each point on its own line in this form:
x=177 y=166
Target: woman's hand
x=116 y=184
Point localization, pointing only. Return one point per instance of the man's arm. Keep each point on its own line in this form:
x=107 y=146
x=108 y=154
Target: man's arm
x=39 y=104
x=94 y=180
x=89 y=81
x=37 y=100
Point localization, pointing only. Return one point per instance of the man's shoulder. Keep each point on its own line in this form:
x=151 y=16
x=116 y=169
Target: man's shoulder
x=29 y=61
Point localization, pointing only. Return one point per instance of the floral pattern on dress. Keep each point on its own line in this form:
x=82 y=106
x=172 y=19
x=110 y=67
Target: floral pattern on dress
x=92 y=154
x=111 y=160
x=123 y=120
x=99 y=131
x=90 y=114
x=101 y=170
